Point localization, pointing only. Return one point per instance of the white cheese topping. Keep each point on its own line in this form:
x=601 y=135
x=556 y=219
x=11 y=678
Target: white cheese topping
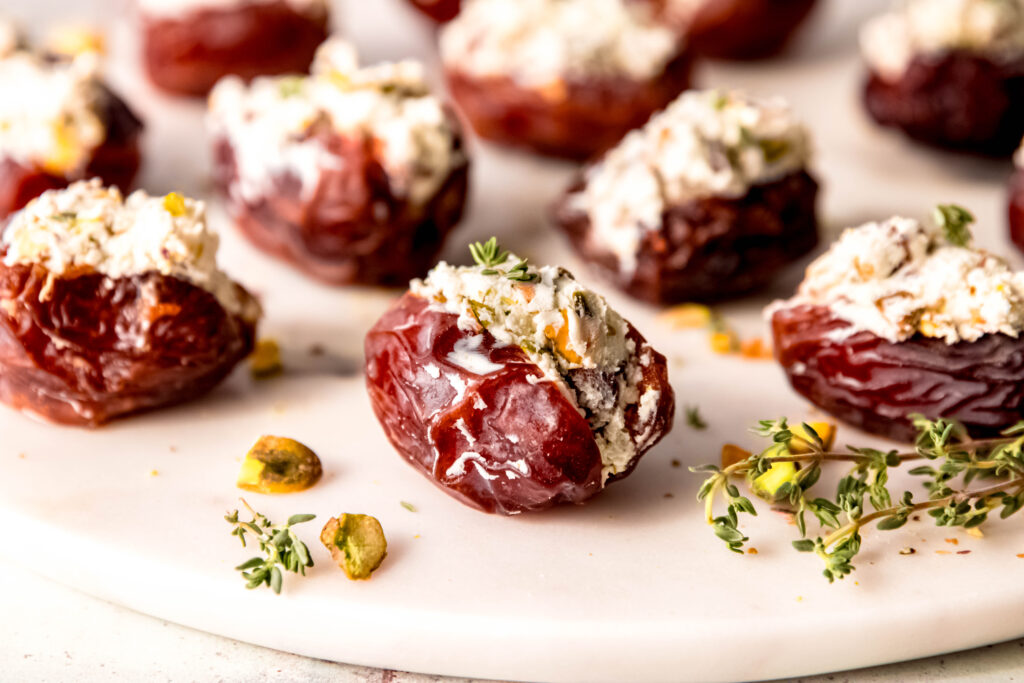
x=90 y=228
x=48 y=109
x=898 y=278
x=706 y=143
x=541 y=43
x=990 y=27
x=272 y=124
x=561 y=326
x=178 y=8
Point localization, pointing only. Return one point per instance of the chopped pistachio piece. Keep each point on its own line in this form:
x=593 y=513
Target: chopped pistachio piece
x=767 y=485
x=732 y=454
x=800 y=443
x=265 y=360
x=356 y=543
x=279 y=465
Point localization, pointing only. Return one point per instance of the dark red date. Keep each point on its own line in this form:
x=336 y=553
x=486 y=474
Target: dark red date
x=874 y=384
x=85 y=350
x=528 y=446
x=957 y=100
x=116 y=161
x=438 y=10
x=708 y=248
x=742 y=29
x=188 y=55
x=575 y=122
x=352 y=229
x=1016 y=208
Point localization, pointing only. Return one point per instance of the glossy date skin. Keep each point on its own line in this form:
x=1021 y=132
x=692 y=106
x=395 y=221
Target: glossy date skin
x=958 y=101
x=187 y=55
x=438 y=10
x=573 y=121
x=85 y=350
x=742 y=29
x=529 y=446
x=1016 y=208
x=351 y=229
x=116 y=161
x=873 y=384
x=709 y=248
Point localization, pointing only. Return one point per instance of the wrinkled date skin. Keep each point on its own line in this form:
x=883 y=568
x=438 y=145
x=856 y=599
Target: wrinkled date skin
x=187 y=55
x=742 y=29
x=1016 y=209
x=351 y=229
x=438 y=10
x=957 y=101
x=92 y=349
x=501 y=442
x=709 y=248
x=116 y=161
x=873 y=384
x=574 y=122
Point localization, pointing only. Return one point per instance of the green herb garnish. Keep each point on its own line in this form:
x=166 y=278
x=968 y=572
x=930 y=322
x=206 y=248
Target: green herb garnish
x=942 y=442
x=489 y=255
x=280 y=544
x=954 y=221
x=408 y=506
x=693 y=418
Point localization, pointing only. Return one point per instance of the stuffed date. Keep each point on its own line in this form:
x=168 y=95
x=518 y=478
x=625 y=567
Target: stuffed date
x=709 y=200
x=900 y=317
x=353 y=175
x=566 y=78
x=188 y=45
x=949 y=73
x=112 y=306
x=59 y=123
x=515 y=388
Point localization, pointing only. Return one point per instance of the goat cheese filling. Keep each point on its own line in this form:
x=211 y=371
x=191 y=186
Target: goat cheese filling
x=49 y=110
x=994 y=28
x=272 y=124
x=899 y=277
x=89 y=228
x=542 y=43
x=706 y=143
x=561 y=326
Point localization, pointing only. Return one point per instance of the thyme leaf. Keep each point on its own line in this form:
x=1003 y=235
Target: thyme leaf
x=694 y=419
x=489 y=255
x=954 y=221
x=278 y=542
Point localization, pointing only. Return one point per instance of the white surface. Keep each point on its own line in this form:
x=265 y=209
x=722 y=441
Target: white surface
x=104 y=643
x=632 y=586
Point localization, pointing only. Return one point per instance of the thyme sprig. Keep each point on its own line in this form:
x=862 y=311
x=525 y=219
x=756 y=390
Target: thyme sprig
x=279 y=543
x=955 y=222
x=951 y=453
x=489 y=255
